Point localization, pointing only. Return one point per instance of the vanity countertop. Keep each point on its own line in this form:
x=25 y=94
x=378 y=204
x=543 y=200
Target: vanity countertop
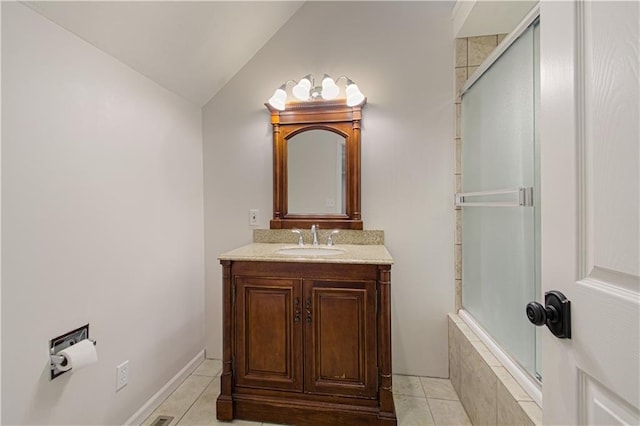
x=268 y=252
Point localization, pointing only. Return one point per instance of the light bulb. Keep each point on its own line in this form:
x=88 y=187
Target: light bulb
x=278 y=99
x=354 y=95
x=329 y=88
x=301 y=90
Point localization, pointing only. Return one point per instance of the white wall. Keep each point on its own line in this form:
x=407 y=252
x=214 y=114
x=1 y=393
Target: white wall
x=102 y=219
x=401 y=56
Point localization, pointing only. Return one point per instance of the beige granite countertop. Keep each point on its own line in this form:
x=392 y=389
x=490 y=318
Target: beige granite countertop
x=345 y=236
x=268 y=252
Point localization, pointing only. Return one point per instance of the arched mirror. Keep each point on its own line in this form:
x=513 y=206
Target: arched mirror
x=316 y=158
x=316 y=172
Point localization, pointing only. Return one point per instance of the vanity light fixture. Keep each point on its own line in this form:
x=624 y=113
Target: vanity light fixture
x=305 y=90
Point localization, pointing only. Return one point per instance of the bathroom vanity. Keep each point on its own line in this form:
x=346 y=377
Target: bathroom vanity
x=307 y=337
x=307 y=328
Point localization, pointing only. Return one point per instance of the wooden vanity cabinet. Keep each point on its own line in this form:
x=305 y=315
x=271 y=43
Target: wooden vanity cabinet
x=267 y=338
x=306 y=343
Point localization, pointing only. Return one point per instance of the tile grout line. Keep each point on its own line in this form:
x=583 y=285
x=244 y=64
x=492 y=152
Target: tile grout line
x=451 y=400
x=419 y=397
x=177 y=423
x=424 y=392
x=433 y=419
x=441 y=399
x=444 y=399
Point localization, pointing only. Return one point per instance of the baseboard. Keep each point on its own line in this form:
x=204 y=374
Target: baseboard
x=157 y=399
x=300 y=412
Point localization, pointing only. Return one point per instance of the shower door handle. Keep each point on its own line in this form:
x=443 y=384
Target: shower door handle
x=556 y=314
x=524 y=198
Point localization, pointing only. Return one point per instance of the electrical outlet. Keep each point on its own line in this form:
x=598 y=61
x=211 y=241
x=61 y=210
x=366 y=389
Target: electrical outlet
x=122 y=375
x=253 y=217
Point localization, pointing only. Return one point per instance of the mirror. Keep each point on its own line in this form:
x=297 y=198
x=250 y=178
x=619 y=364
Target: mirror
x=316 y=165
x=316 y=172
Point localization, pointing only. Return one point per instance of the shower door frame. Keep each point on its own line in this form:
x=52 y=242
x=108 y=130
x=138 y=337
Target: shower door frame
x=525 y=197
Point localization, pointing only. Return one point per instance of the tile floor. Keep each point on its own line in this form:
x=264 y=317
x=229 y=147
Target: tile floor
x=419 y=401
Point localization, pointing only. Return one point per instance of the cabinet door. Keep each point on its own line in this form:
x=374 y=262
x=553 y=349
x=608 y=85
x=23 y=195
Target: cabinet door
x=340 y=338
x=268 y=333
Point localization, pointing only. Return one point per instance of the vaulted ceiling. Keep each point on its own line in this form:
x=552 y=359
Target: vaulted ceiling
x=194 y=48
x=190 y=48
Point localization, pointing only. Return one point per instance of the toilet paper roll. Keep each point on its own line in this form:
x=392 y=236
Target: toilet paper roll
x=78 y=356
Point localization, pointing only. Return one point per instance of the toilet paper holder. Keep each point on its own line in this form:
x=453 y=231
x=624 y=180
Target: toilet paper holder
x=62 y=342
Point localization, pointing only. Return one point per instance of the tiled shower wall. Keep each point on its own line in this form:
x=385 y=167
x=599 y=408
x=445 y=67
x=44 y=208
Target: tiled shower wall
x=470 y=53
x=487 y=391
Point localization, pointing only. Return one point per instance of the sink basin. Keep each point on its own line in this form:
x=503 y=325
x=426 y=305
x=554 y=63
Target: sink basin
x=310 y=251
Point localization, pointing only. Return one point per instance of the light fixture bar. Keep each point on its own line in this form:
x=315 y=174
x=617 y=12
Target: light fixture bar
x=305 y=90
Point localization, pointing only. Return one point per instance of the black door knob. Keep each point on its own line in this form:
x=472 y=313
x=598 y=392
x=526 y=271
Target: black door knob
x=539 y=314
x=556 y=314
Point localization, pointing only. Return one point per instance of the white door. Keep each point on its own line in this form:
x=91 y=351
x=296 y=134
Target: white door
x=590 y=194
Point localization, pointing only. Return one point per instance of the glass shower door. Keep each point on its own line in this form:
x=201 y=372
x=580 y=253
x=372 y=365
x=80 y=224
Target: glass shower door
x=498 y=199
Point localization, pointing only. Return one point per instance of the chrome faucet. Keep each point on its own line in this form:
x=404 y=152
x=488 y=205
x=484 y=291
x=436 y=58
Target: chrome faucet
x=330 y=238
x=314 y=234
x=300 y=240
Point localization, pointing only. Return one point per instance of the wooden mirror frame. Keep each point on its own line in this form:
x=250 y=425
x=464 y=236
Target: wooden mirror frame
x=298 y=117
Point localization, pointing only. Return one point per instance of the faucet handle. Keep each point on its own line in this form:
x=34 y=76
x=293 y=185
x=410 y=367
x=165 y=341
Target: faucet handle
x=314 y=234
x=330 y=238
x=299 y=232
